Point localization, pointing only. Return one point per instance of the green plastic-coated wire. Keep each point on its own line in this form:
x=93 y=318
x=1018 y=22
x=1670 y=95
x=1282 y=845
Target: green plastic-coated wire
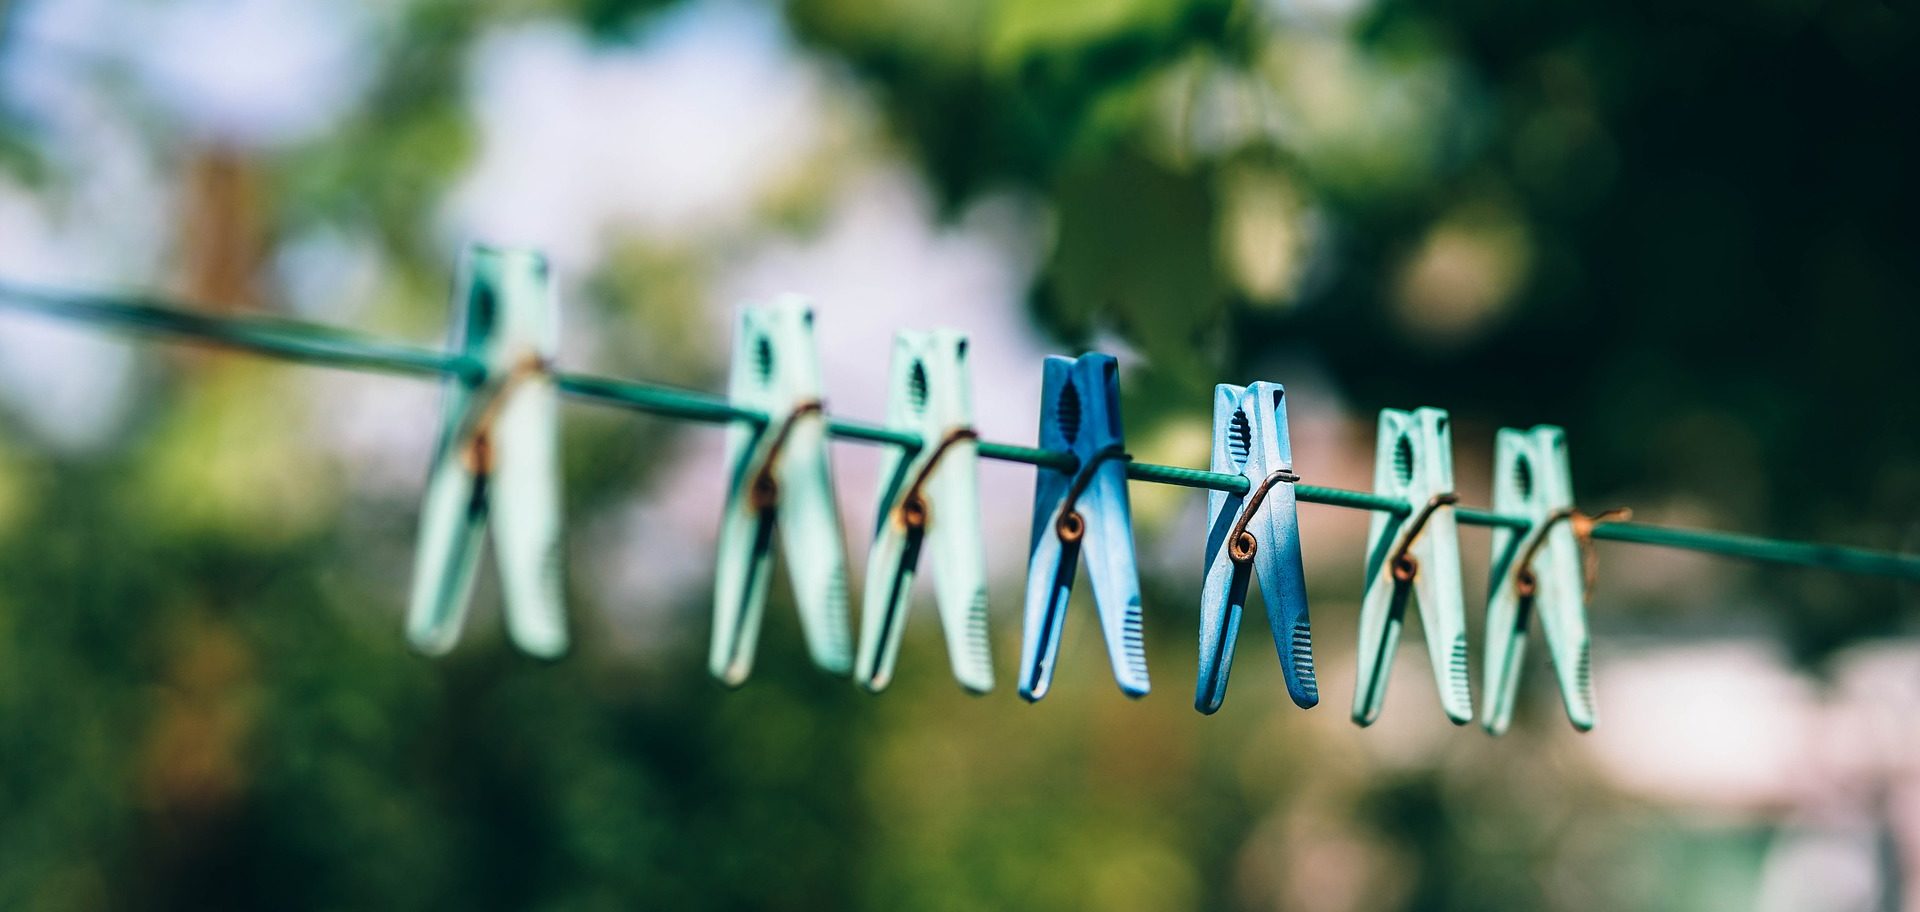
x=655 y=400
x=1766 y=550
x=1477 y=517
x=867 y=433
x=1186 y=478
x=1352 y=500
x=326 y=346
x=282 y=338
x=1034 y=456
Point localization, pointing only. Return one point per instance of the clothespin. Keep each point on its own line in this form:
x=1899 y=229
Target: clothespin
x=1414 y=552
x=1256 y=532
x=497 y=460
x=929 y=496
x=781 y=478
x=1538 y=571
x=1083 y=509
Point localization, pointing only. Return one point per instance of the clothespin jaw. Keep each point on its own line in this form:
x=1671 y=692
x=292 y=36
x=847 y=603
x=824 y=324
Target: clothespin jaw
x=1083 y=510
x=497 y=460
x=1415 y=553
x=1536 y=571
x=1257 y=532
x=929 y=500
x=781 y=478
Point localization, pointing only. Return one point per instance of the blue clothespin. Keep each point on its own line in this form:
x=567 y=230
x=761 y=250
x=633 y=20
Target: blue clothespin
x=1539 y=571
x=497 y=459
x=1084 y=509
x=929 y=497
x=782 y=478
x=1255 y=532
x=1414 y=552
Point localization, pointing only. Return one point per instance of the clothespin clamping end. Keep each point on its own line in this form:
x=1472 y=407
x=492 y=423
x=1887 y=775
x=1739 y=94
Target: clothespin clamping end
x=497 y=461
x=1084 y=509
x=1414 y=552
x=781 y=478
x=1545 y=570
x=929 y=496
x=1254 y=533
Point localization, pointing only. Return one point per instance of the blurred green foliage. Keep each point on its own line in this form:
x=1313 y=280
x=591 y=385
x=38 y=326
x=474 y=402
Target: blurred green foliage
x=1688 y=222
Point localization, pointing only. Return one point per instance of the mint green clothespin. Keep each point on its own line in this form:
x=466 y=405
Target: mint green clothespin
x=497 y=461
x=1538 y=571
x=929 y=495
x=1417 y=552
x=781 y=478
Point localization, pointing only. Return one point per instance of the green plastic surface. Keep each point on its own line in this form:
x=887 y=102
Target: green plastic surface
x=930 y=394
x=497 y=463
x=1413 y=463
x=1531 y=479
x=776 y=370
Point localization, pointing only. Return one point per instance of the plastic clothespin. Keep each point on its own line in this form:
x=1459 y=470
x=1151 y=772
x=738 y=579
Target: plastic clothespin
x=781 y=478
x=930 y=496
x=1256 y=532
x=1418 y=551
x=497 y=459
x=1538 y=571
x=1083 y=509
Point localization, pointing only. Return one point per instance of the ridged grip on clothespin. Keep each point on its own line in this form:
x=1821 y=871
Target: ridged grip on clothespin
x=1086 y=510
x=929 y=500
x=1250 y=439
x=497 y=461
x=780 y=479
x=1413 y=463
x=1532 y=480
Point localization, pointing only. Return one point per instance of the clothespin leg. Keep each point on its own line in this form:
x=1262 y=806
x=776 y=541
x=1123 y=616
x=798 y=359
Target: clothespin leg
x=527 y=525
x=743 y=565
x=1383 y=611
x=816 y=559
x=453 y=518
x=960 y=569
x=889 y=586
x=1569 y=644
x=1283 y=586
x=1116 y=581
x=1222 y=604
x=1446 y=632
x=1046 y=614
x=1508 y=617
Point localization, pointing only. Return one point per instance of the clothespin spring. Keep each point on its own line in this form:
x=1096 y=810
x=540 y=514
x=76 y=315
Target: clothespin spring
x=1524 y=581
x=764 y=492
x=1405 y=567
x=1241 y=544
x=1071 y=526
x=477 y=449
x=913 y=506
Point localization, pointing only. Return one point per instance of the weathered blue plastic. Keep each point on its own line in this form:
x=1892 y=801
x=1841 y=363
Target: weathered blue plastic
x=1531 y=479
x=497 y=460
x=1080 y=415
x=1250 y=439
x=931 y=396
x=1413 y=462
x=776 y=371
